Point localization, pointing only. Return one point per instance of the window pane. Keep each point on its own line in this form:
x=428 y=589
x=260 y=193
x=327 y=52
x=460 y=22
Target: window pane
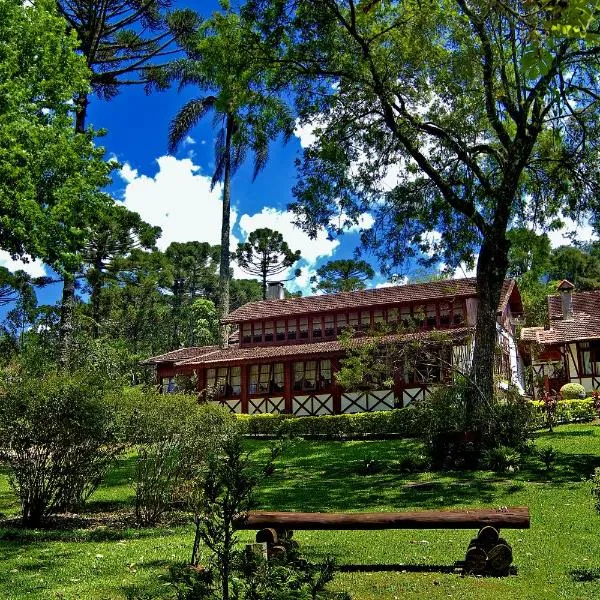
x=264 y=378
x=325 y=378
x=431 y=315
x=246 y=333
x=257 y=332
x=317 y=327
x=405 y=316
x=329 y=326
x=378 y=316
x=444 y=313
x=310 y=375
x=341 y=322
x=458 y=312
x=303 y=328
x=353 y=319
x=292 y=327
x=268 y=331
x=253 y=379
x=298 y=375
x=280 y=330
x=277 y=383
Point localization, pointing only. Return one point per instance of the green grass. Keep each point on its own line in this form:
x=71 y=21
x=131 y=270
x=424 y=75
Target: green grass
x=559 y=557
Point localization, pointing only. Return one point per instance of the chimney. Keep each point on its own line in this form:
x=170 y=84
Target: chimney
x=275 y=290
x=566 y=288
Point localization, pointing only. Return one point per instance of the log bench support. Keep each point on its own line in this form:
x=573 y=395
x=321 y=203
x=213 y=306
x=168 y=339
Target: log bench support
x=487 y=553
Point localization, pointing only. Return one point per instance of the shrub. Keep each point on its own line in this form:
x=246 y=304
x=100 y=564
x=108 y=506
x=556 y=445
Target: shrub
x=172 y=434
x=572 y=391
x=454 y=439
x=400 y=422
x=566 y=411
x=58 y=435
x=548 y=456
x=501 y=459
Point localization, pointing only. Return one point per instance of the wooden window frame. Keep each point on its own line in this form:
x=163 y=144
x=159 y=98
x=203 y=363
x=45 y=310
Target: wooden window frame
x=228 y=379
x=318 y=388
x=270 y=388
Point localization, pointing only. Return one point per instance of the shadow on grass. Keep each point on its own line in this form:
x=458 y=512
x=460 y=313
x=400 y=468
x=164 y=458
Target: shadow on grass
x=374 y=568
x=586 y=574
x=567 y=468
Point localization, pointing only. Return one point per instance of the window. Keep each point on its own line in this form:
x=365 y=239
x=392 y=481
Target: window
x=317 y=325
x=224 y=382
x=405 y=316
x=268 y=331
x=303 y=328
x=444 y=314
x=258 y=329
x=341 y=323
x=246 y=333
x=393 y=314
x=589 y=357
x=292 y=329
x=419 y=316
x=365 y=320
x=458 y=312
x=431 y=315
x=312 y=375
x=329 y=326
x=378 y=317
x=428 y=368
x=280 y=332
x=168 y=385
x=353 y=320
x=265 y=378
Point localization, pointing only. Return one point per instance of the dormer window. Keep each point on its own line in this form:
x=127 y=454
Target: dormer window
x=258 y=330
x=317 y=324
x=292 y=329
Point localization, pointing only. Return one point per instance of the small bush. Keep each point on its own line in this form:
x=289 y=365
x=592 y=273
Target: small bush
x=58 y=435
x=172 y=434
x=412 y=463
x=572 y=391
x=501 y=459
x=401 y=422
x=548 y=456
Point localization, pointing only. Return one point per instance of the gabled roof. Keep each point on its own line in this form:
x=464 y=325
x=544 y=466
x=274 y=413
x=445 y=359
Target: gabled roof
x=399 y=294
x=583 y=325
x=322 y=349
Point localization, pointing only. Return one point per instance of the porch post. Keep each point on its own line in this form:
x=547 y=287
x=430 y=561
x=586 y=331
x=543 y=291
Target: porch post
x=287 y=386
x=244 y=390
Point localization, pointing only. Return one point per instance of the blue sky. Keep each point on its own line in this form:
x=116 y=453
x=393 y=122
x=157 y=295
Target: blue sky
x=173 y=191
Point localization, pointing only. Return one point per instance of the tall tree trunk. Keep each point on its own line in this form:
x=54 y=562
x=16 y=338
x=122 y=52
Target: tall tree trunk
x=95 y=295
x=67 y=309
x=225 y=226
x=68 y=294
x=491 y=271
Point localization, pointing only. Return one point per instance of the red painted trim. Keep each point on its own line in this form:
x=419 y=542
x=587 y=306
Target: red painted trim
x=244 y=389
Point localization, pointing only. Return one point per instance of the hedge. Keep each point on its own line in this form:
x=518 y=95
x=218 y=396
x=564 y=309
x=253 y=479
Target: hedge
x=400 y=422
x=567 y=411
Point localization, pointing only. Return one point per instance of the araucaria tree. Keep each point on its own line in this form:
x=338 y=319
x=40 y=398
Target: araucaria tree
x=343 y=275
x=248 y=115
x=266 y=254
x=484 y=115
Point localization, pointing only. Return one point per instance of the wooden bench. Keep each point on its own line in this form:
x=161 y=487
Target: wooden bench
x=487 y=553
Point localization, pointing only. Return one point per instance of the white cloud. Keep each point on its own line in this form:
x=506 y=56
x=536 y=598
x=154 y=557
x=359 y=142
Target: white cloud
x=396 y=282
x=34 y=268
x=583 y=231
x=282 y=221
x=189 y=141
x=178 y=199
x=306 y=132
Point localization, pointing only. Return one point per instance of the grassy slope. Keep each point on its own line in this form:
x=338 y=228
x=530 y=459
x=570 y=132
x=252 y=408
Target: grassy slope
x=97 y=560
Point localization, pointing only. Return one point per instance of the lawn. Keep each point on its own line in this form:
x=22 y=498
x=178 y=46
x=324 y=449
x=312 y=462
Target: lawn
x=98 y=556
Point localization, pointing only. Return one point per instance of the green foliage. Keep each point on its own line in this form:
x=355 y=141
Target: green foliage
x=173 y=435
x=400 y=422
x=266 y=253
x=344 y=275
x=455 y=440
x=596 y=488
x=206 y=328
x=49 y=175
x=501 y=459
x=58 y=434
x=567 y=411
x=572 y=391
x=548 y=456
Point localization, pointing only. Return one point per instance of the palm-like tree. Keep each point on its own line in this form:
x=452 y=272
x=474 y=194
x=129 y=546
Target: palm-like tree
x=219 y=62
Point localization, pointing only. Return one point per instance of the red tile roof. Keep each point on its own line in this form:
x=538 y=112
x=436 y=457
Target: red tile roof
x=584 y=325
x=399 y=294
x=582 y=302
x=268 y=353
x=180 y=354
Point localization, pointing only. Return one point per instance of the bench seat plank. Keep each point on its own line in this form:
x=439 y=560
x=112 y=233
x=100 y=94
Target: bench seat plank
x=516 y=517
